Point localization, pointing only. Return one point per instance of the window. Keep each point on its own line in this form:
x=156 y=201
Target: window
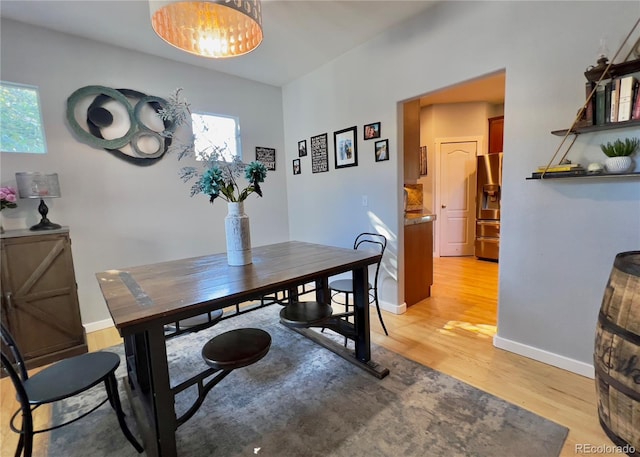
x=20 y=119
x=216 y=132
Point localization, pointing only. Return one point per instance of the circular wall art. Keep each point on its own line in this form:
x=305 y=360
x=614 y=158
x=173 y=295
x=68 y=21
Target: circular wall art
x=117 y=110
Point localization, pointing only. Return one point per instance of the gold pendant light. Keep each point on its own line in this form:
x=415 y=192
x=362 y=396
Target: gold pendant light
x=213 y=28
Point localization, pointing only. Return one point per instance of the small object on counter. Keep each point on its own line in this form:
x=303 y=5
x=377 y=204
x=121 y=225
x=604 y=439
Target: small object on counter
x=595 y=168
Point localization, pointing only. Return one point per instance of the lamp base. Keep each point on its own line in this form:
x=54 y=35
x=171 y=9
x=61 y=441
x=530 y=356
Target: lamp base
x=45 y=225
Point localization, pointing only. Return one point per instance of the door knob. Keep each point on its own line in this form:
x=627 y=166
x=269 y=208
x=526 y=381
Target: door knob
x=443 y=206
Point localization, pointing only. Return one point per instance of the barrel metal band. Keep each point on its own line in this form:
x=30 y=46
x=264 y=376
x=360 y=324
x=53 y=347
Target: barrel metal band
x=619 y=331
x=606 y=377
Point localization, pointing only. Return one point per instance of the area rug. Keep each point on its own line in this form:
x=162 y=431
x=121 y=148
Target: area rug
x=303 y=400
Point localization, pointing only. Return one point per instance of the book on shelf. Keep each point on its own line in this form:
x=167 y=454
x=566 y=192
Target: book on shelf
x=600 y=104
x=614 y=100
x=636 y=102
x=626 y=98
x=587 y=116
x=558 y=174
x=560 y=167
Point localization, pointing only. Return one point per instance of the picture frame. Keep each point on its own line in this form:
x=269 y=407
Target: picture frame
x=267 y=156
x=372 y=131
x=302 y=148
x=382 y=150
x=423 y=161
x=345 y=147
x=296 y=167
x=319 y=153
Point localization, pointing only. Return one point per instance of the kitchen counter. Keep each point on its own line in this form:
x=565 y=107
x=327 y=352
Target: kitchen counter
x=418 y=256
x=418 y=217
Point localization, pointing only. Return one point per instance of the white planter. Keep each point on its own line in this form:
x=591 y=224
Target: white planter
x=238 y=235
x=618 y=164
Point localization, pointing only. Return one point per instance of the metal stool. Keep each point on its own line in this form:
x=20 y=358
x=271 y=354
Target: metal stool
x=236 y=348
x=305 y=314
x=226 y=352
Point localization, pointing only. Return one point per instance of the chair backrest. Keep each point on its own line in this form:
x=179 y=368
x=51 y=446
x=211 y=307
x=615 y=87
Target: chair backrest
x=11 y=362
x=375 y=241
x=12 y=354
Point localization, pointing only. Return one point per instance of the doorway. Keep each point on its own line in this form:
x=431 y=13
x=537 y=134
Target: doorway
x=453 y=125
x=455 y=195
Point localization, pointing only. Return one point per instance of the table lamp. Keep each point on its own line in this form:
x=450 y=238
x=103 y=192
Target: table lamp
x=39 y=185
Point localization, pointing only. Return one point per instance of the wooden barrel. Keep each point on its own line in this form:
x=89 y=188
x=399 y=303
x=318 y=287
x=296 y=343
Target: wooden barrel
x=617 y=354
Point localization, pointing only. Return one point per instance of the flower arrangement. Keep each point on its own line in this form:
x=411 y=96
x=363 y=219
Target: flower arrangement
x=7 y=197
x=217 y=177
x=220 y=179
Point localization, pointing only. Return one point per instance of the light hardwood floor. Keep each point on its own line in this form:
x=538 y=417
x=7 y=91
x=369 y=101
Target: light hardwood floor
x=450 y=332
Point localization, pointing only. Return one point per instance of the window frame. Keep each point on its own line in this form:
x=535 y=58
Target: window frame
x=42 y=134
x=229 y=153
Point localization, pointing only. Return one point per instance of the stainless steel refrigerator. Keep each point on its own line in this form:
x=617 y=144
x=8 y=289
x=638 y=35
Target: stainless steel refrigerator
x=489 y=191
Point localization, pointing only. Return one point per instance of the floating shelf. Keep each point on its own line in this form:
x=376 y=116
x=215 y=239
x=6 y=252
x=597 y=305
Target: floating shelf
x=599 y=128
x=600 y=176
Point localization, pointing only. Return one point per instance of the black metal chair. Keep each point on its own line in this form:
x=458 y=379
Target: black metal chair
x=370 y=241
x=63 y=379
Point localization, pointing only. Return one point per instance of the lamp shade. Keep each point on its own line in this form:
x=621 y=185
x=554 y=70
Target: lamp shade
x=38 y=185
x=211 y=28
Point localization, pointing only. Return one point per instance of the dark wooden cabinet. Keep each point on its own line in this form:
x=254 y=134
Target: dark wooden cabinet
x=39 y=295
x=418 y=262
x=496 y=134
x=411 y=141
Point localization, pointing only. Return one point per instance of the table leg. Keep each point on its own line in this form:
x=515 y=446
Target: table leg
x=361 y=310
x=151 y=395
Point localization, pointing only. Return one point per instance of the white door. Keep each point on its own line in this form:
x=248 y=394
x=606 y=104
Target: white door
x=457 y=198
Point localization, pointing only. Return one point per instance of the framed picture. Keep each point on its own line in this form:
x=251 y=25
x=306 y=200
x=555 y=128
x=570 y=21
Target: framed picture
x=319 y=154
x=382 y=150
x=345 y=147
x=423 y=160
x=372 y=131
x=296 y=167
x=267 y=156
x=302 y=148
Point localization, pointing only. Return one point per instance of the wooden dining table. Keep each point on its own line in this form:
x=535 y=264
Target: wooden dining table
x=142 y=300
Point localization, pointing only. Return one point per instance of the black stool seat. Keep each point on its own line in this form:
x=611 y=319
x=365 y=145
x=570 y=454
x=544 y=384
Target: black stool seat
x=343 y=285
x=202 y=320
x=304 y=314
x=236 y=348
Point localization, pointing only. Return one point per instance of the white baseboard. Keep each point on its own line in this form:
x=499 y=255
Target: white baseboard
x=98 y=325
x=395 y=309
x=556 y=360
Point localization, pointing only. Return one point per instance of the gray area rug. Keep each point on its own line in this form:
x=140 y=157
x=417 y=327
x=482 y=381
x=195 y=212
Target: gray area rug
x=303 y=400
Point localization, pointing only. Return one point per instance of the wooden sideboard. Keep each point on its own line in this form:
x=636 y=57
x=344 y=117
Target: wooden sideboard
x=39 y=295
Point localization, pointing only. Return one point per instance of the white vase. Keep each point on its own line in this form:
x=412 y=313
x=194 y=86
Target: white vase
x=618 y=164
x=238 y=235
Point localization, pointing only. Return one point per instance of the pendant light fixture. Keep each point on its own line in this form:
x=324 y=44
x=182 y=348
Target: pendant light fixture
x=209 y=28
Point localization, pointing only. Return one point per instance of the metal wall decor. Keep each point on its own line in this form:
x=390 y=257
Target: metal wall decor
x=99 y=117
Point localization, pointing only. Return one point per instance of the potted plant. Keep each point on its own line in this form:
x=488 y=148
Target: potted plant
x=619 y=154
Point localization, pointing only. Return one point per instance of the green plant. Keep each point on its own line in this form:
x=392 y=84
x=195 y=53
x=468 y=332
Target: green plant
x=620 y=148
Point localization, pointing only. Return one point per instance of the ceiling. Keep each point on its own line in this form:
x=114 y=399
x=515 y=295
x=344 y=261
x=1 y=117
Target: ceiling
x=299 y=36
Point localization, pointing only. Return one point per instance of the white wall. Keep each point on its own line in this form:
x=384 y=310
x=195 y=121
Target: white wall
x=120 y=214
x=558 y=238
